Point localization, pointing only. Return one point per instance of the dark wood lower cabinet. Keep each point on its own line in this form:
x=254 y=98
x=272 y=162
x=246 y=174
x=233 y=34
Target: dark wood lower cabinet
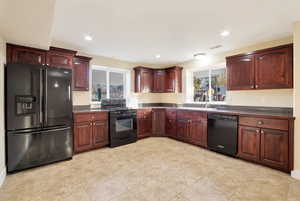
x=83 y=136
x=158 y=122
x=100 y=133
x=274 y=148
x=144 y=123
x=198 y=132
x=249 y=143
x=182 y=129
x=90 y=131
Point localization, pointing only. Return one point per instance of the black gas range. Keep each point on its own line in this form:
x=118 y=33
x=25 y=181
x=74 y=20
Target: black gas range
x=122 y=122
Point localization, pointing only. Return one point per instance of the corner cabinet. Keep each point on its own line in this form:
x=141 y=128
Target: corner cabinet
x=263 y=69
x=81 y=66
x=90 y=131
x=158 y=122
x=148 y=80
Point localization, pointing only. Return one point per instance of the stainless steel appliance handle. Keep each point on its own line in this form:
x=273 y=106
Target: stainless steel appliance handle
x=41 y=96
x=58 y=129
x=45 y=97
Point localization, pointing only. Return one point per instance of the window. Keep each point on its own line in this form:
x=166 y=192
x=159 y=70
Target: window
x=108 y=83
x=207 y=86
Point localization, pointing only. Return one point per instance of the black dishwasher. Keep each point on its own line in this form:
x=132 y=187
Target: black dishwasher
x=222 y=133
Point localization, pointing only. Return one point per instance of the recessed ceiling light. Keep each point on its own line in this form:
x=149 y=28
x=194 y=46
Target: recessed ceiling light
x=157 y=56
x=199 y=56
x=88 y=37
x=225 y=33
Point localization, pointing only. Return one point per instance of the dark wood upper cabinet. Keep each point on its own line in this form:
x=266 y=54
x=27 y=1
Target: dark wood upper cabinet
x=270 y=68
x=159 y=79
x=158 y=122
x=173 y=80
x=59 y=57
x=25 y=55
x=240 y=73
x=149 y=80
x=274 y=69
x=81 y=73
x=143 y=80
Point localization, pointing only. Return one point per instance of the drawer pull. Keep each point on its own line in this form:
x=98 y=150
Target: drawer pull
x=260 y=122
x=257 y=131
x=262 y=132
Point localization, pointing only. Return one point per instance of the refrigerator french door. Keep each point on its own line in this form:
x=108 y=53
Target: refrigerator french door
x=38 y=115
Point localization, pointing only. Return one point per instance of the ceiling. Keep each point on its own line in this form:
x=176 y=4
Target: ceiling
x=137 y=30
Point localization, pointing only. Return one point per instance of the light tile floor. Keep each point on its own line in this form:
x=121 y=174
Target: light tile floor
x=153 y=169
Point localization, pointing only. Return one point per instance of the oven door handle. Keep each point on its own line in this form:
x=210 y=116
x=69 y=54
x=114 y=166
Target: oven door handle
x=124 y=117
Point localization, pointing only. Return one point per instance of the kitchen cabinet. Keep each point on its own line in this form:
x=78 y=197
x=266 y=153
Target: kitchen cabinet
x=249 y=143
x=240 y=72
x=171 y=115
x=274 y=148
x=173 y=80
x=55 y=57
x=158 y=122
x=263 y=69
x=25 y=55
x=90 y=131
x=265 y=141
x=149 y=80
x=274 y=69
x=159 y=79
x=144 y=123
x=81 y=73
x=192 y=127
x=58 y=57
x=143 y=80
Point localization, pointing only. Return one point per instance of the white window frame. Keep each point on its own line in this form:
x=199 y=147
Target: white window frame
x=126 y=80
x=190 y=84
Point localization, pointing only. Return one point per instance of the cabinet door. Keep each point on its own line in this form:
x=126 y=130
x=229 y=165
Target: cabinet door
x=80 y=74
x=182 y=129
x=83 y=136
x=100 y=133
x=146 y=81
x=170 y=80
x=159 y=77
x=249 y=143
x=274 y=69
x=58 y=59
x=198 y=131
x=158 y=122
x=171 y=128
x=144 y=127
x=274 y=148
x=27 y=55
x=240 y=72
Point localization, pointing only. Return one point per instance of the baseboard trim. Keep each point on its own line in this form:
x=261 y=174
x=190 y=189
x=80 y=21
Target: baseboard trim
x=296 y=174
x=2 y=176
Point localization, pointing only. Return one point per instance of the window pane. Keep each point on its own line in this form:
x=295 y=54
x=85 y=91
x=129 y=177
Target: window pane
x=201 y=86
x=218 y=84
x=98 y=85
x=116 y=85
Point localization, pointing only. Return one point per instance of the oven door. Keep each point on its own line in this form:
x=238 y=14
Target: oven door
x=123 y=129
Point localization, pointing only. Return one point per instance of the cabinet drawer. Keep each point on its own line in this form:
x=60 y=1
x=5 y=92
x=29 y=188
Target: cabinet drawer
x=279 y=124
x=83 y=117
x=144 y=113
x=187 y=114
x=100 y=116
x=171 y=113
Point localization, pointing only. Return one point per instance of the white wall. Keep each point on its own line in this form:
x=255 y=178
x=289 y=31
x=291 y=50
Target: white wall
x=296 y=173
x=2 y=131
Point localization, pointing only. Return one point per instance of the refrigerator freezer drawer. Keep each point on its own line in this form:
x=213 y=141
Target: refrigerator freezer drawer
x=32 y=149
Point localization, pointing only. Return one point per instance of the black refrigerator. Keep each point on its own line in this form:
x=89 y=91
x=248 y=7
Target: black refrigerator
x=38 y=115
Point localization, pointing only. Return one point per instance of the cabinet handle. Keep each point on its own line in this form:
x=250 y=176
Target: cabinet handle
x=257 y=131
x=260 y=122
x=256 y=86
x=252 y=86
x=262 y=132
